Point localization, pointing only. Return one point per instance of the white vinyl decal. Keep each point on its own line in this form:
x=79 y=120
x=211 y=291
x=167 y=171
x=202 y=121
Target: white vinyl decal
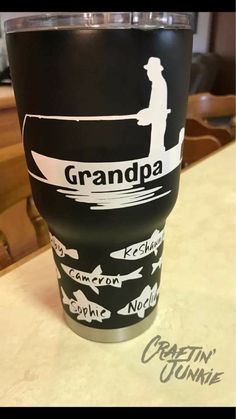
x=96 y=279
x=58 y=273
x=85 y=309
x=139 y=305
x=61 y=249
x=117 y=184
x=141 y=249
x=156 y=265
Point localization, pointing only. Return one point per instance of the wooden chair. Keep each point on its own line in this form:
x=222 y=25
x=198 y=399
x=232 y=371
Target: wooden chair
x=233 y=126
x=206 y=105
x=15 y=187
x=9 y=123
x=196 y=127
x=211 y=115
x=195 y=148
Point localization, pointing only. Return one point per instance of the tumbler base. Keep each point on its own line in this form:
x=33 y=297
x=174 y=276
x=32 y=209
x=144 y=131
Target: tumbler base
x=110 y=335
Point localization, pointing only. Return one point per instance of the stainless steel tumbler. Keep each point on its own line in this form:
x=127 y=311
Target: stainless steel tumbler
x=101 y=99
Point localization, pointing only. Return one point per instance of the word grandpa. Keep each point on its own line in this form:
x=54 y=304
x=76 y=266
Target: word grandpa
x=133 y=173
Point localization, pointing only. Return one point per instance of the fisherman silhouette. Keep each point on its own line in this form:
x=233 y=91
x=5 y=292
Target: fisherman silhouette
x=156 y=113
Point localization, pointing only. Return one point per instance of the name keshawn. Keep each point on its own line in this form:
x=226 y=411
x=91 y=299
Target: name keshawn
x=133 y=173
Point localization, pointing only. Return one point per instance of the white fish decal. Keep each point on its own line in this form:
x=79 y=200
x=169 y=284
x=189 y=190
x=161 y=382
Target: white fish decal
x=58 y=273
x=141 y=249
x=85 y=309
x=156 y=265
x=147 y=299
x=96 y=279
x=61 y=250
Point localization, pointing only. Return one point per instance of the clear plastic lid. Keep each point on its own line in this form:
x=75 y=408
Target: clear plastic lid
x=100 y=20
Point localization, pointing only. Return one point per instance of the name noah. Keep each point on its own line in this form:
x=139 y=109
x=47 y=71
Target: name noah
x=134 y=173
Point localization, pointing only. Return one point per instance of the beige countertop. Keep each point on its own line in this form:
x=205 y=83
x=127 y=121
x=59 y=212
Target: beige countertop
x=43 y=363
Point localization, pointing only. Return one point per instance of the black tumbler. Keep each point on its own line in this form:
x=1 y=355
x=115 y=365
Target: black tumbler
x=102 y=99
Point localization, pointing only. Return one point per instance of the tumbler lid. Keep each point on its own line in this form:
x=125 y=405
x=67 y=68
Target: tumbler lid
x=100 y=20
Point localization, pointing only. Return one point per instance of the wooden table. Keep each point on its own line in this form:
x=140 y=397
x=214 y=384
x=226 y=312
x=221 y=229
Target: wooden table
x=43 y=363
x=7 y=98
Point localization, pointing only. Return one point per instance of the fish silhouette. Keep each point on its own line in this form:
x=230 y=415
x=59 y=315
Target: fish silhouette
x=141 y=249
x=86 y=310
x=58 y=273
x=140 y=304
x=156 y=265
x=61 y=249
x=96 y=279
